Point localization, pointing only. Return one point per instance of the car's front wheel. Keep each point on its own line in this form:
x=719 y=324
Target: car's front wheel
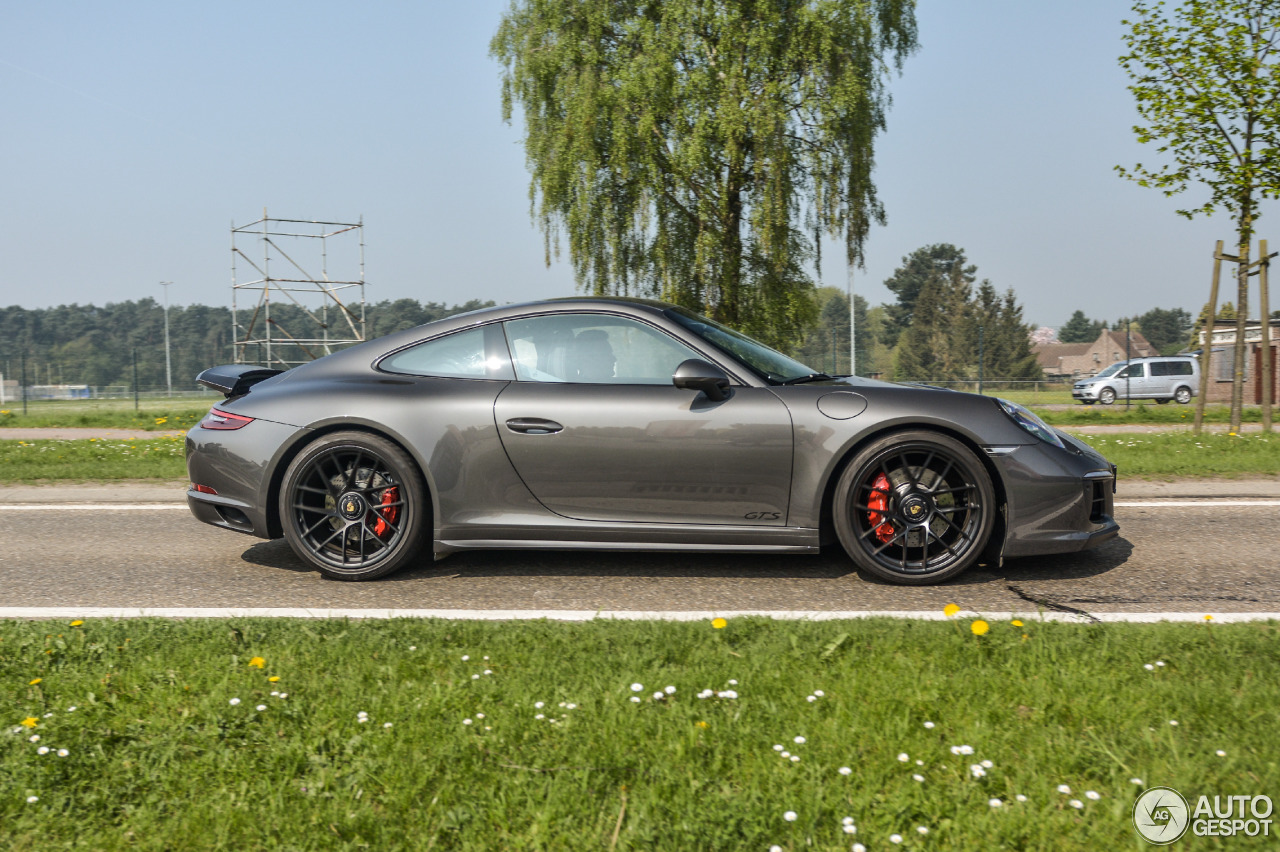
x=1107 y=396
x=354 y=506
x=915 y=508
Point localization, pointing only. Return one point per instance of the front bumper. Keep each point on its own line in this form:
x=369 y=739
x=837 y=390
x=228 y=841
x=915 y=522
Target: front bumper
x=1089 y=392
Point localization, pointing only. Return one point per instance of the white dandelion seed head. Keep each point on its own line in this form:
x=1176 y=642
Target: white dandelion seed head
x=790 y=816
x=844 y=770
x=669 y=690
x=995 y=803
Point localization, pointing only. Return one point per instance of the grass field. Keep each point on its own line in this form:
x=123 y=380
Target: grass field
x=279 y=734
x=152 y=415
x=1160 y=455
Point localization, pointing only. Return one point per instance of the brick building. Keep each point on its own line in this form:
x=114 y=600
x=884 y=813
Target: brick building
x=1222 y=362
x=1077 y=360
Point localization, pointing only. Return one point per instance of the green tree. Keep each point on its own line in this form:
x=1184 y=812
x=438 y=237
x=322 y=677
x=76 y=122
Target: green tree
x=1166 y=330
x=936 y=263
x=826 y=342
x=1081 y=329
x=1207 y=83
x=1006 y=338
x=940 y=343
x=696 y=150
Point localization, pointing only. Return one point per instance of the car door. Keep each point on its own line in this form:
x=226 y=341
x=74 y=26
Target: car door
x=1133 y=381
x=597 y=431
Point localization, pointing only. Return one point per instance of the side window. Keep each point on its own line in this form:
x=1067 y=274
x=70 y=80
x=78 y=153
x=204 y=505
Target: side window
x=595 y=349
x=1161 y=368
x=1182 y=368
x=1133 y=371
x=477 y=353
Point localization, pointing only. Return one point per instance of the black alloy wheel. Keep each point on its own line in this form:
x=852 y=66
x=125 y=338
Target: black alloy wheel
x=1107 y=396
x=1182 y=395
x=915 y=508
x=354 y=506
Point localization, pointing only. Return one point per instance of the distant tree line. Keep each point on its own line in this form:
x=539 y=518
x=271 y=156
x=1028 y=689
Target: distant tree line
x=91 y=345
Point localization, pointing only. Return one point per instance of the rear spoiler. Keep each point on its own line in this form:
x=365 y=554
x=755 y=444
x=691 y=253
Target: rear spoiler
x=235 y=379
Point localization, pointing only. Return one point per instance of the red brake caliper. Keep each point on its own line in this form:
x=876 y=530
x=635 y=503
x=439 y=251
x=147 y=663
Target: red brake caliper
x=880 y=503
x=386 y=512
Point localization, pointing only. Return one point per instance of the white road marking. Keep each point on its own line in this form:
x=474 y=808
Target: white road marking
x=71 y=612
x=1211 y=504
x=92 y=507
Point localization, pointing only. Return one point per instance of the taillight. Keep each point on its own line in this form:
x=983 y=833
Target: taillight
x=203 y=489
x=216 y=419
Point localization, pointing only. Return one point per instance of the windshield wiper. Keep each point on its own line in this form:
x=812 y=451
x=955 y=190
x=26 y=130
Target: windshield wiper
x=812 y=377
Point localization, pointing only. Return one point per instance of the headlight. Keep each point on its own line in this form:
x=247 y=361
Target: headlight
x=1030 y=422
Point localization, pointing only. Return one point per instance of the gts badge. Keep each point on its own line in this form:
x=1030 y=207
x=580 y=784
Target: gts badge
x=762 y=516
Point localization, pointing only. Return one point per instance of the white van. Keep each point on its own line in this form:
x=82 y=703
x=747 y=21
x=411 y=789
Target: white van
x=1159 y=378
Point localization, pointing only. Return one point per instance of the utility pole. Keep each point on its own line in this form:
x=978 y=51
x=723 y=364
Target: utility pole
x=853 y=330
x=168 y=375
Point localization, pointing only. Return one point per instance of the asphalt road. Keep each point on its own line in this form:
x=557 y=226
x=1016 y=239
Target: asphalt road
x=1208 y=557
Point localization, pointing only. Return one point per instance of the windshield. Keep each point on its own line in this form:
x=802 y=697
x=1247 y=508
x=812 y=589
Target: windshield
x=766 y=362
x=1112 y=370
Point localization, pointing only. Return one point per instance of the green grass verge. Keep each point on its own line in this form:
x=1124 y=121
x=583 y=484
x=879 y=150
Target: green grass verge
x=153 y=415
x=92 y=460
x=1140 y=414
x=527 y=735
x=1181 y=454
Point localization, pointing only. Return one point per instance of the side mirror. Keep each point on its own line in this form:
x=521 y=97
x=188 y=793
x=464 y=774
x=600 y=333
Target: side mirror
x=698 y=375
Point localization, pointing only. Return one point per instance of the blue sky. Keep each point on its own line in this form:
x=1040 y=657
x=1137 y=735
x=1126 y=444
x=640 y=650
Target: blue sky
x=137 y=132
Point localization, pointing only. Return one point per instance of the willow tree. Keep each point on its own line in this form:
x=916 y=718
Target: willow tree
x=1206 y=77
x=697 y=150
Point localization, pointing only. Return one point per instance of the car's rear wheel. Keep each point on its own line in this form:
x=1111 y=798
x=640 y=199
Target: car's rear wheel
x=915 y=508
x=1182 y=395
x=1107 y=396
x=354 y=506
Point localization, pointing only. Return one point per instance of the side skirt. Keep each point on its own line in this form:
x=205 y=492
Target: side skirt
x=641 y=537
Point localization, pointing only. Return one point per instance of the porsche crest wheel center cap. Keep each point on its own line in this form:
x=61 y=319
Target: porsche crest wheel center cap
x=351 y=506
x=915 y=509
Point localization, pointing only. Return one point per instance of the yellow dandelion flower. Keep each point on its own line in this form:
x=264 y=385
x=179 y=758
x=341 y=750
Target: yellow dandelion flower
x=702 y=725
x=719 y=623
x=34 y=682
x=950 y=610
x=274 y=678
x=160 y=421
x=77 y=623
x=1016 y=623
x=257 y=662
x=30 y=722
x=979 y=627
x=1208 y=618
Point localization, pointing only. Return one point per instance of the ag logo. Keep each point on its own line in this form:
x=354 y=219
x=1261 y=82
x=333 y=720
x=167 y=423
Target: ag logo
x=1161 y=815
x=351 y=507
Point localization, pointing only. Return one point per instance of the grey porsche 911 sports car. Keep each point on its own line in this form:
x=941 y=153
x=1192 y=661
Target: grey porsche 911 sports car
x=625 y=424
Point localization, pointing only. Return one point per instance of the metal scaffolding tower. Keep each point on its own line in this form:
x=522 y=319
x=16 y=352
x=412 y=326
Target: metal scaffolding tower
x=290 y=319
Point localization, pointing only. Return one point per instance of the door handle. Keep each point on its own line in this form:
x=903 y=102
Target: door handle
x=533 y=426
